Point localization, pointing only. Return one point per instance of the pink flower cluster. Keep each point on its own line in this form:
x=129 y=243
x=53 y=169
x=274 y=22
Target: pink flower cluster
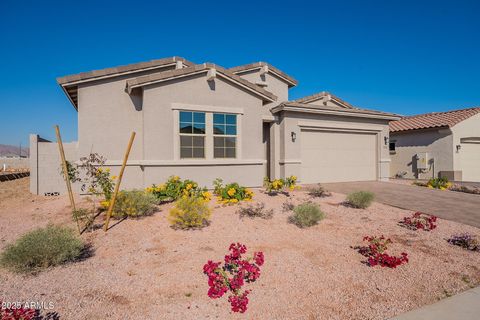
x=420 y=220
x=233 y=275
x=17 y=313
x=376 y=255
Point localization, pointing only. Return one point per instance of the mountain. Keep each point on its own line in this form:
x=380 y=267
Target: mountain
x=6 y=149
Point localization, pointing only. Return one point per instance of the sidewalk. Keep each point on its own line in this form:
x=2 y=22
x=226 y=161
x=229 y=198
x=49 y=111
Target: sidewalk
x=465 y=306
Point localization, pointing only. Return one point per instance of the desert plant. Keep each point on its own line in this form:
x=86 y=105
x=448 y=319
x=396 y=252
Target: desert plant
x=279 y=185
x=190 y=212
x=318 y=191
x=13 y=311
x=441 y=183
x=256 y=211
x=420 y=220
x=287 y=206
x=42 y=248
x=133 y=204
x=231 y=193
x=466 y=241
x=306 y=215
x=360 y=199
x=175 y=188
x=376 y=253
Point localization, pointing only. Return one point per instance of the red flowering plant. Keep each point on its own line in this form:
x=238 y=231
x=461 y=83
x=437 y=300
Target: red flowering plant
x=233 y=275
x=420 y=220
x=376 y=254
x=19 y=313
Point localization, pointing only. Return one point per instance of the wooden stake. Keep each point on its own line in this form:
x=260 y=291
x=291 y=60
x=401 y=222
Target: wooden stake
x=117 y=185
x=65 y=173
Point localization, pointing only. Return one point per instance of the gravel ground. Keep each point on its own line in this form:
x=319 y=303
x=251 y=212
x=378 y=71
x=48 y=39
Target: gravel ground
x=143 y=269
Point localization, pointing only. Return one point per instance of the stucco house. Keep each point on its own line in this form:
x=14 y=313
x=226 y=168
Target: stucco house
x=203 y=121
x=437 y=144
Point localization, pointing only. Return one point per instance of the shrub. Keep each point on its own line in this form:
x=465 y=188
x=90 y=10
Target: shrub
x=17 y=312
x=42 y=248
x=175 y=188
x=231 y=193
x=255 y=211
x=287 y=206
x=376 y=255
x=133 y=204
x=233 y=275
x=279 y=185
x=439 y=183
x=190 y=212
x=420 y=220
x=466 y=241
x=318 y=191
x=306 y=215
x=360 y=199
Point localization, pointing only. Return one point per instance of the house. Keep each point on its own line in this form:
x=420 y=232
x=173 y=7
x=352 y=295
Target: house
x=440 y=144
x=203 y=121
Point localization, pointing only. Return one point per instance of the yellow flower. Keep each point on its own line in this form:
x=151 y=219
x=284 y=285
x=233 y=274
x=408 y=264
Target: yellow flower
x=175 y=178
x=233 y=200
x=189 y=186
x=108 y=169
x=105 y=203
x=114 y=177
x=430 y=186
x=294 y=178
x=292 y=187
x=231 y=192
x=206 y=195
x=443 y=188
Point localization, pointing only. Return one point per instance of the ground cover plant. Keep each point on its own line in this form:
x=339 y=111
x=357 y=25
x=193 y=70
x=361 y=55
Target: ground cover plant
x=255 y=211
x=376 y=254
x=133 y=204
x=189 y=213
x=42 y=248
x=360 y=199
x=441 y=183
x=17 y=312
x=231 y=193
x=466 y=241
x=318 y=191
x=233 y=275
x=174 y=188
x=420 y=220
x=306 y=215
x=280 y=185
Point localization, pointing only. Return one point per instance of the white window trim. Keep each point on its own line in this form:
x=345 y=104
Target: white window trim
x=209 y=111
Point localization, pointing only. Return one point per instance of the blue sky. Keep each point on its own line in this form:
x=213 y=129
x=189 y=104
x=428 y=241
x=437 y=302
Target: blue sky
x=400 y=56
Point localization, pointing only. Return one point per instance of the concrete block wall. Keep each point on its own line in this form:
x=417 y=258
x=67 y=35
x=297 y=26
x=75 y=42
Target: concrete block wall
x=15 y=163
x=45 y=165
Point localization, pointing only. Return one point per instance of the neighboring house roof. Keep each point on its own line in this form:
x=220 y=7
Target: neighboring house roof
x=197 y=69
x=323 y=95
x=258 y=65
x=312 y=108
x=69 y=83
x=433 y=120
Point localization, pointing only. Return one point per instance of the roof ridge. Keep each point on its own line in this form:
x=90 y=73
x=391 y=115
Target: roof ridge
x=439 y=112
x=244 y=67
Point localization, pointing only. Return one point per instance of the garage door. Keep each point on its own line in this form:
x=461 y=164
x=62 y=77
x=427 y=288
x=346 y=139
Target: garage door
x=329 y=156
x=470 y=161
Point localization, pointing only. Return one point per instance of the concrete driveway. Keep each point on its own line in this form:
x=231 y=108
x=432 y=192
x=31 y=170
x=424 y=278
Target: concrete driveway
x=450 y=205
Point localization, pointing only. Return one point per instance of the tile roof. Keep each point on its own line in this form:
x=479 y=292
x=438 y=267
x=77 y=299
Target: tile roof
x=91 y=75
x=171 y=74
x=324 y=94
x=313 y=107
x=251 y=66
x=433 y=120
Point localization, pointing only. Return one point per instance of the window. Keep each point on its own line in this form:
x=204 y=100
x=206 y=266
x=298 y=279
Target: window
x=224 y=135
x=391 y=146
x=192 y=134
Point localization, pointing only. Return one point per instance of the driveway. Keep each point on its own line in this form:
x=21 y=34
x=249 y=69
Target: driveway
x=450 y=205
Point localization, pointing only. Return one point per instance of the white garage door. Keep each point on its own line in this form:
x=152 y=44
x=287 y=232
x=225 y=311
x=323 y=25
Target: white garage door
x=470 y=161
x=338 y=156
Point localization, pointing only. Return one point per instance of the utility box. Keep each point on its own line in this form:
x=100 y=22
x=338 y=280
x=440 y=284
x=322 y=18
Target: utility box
x=422 y=160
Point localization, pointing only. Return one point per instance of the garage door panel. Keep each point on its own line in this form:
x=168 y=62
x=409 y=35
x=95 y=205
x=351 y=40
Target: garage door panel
x=337 y=156
x=470 y=162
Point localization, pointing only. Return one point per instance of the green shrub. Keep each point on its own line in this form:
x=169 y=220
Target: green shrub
x=441 y=183
x=306 y=215
x=360 y=199
x=255 y=211
x=318 y=191
x=175 y=188
x=190 y=212
x=42 y=248
x=135 y=203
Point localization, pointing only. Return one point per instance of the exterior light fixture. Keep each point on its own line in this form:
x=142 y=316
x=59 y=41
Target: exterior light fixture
x=458 y=147
x=386 y=139
x=294 y=136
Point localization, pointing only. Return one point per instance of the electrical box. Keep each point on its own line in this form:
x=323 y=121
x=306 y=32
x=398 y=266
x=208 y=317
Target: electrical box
x=422 y=160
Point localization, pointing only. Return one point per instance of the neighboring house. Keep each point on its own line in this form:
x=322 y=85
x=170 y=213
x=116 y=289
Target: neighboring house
x=437 y=144
x=202 y=121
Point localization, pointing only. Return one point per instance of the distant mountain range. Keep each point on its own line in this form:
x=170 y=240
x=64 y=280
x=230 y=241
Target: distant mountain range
x=8 y=150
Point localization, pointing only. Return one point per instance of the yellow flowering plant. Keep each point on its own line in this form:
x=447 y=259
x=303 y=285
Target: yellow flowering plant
x=231 y=193
x=279 y=185
x=175 y=188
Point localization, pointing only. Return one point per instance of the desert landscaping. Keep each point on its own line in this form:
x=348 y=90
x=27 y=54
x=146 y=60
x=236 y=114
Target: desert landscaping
x=142 y=268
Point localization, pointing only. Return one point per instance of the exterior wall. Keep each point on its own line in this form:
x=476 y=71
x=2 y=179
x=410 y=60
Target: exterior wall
x=467 y=159
x=290 y=151
x=45 y=165
x=438 y=144
x=274 y=85
x=14 y=163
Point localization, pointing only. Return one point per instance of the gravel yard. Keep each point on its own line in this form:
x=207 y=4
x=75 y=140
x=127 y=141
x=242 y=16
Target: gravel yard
x=143 y=269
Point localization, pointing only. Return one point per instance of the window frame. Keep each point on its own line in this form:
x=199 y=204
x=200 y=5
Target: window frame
x=193 y=134
x=225 y=135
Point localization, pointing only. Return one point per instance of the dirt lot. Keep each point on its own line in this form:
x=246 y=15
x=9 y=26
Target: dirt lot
x=143 y=269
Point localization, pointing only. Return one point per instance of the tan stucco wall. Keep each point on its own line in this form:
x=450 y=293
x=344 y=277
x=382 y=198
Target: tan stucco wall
x=467 y=159
x=438 y=144
x=274 y=85
x=290 y=151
